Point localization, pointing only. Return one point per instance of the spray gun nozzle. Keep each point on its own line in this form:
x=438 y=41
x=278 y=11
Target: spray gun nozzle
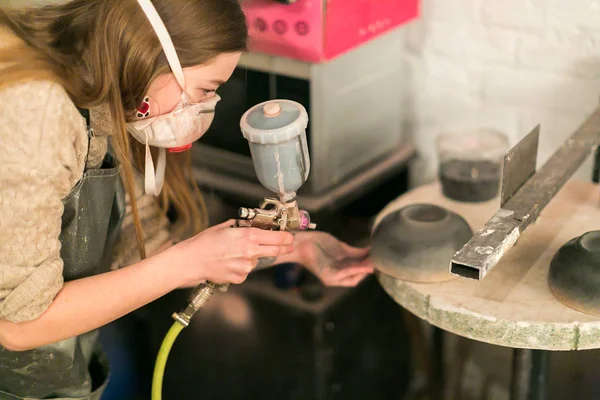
x=246 y=213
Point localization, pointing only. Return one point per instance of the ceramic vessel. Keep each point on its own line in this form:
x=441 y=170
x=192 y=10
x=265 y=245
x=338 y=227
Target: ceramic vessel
x=574 y=275
x=417 y=242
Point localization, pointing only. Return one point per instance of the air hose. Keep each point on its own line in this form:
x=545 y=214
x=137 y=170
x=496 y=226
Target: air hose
x=182 y=319
x=161 y=360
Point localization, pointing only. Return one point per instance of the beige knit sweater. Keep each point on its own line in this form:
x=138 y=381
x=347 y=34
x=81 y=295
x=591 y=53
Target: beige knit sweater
x=43 y=143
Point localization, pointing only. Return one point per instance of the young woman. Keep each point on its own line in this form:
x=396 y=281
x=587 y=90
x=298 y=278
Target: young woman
x=143 y=74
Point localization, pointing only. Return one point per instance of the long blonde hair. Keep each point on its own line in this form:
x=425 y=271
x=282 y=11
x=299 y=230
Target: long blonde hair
x=105 y=52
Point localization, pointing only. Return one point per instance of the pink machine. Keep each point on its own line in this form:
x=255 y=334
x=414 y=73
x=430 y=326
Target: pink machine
x=319 y=30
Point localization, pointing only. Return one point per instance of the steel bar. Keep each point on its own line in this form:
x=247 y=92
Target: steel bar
x=437 y=351
x=539 y=375
x=529 y=375
x=521 y=368
x=502 y=231
x=519 y=165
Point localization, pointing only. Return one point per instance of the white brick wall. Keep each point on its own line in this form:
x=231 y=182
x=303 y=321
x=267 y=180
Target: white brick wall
x=506 y=64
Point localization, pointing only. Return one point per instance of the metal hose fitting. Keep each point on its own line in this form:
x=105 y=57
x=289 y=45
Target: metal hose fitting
x=197 y=300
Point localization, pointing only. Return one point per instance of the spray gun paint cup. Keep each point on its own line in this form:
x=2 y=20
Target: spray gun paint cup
x=470 y=167
x=276 y=134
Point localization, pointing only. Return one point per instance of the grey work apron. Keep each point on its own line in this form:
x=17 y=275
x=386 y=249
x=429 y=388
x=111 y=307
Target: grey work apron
x=74 y=368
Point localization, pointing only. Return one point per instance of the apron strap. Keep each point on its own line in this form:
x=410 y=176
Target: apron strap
x=85 y=113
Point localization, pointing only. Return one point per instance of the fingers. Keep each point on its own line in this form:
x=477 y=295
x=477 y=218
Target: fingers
x=250 y=250
x=263 y=237
x=241 y=267
x=351 y=271
x=282 y=249
x=353 y=280
x=258 y=251
x=365 y=263
x=355 y=252
x=350 y=276
x=238 y=279
x=238 y=270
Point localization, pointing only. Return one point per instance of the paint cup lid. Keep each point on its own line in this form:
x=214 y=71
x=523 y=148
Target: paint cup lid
x=274 y=121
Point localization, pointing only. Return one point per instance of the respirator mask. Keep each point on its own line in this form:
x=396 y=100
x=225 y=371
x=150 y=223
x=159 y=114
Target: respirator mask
x=177 y=129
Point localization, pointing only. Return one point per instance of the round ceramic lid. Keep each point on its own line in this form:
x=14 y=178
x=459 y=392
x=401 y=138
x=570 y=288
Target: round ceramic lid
x=274 y=121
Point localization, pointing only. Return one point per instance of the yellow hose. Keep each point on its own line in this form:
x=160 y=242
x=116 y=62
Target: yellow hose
x=161 y=359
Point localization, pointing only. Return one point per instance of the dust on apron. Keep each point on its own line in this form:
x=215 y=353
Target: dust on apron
x=74 y=368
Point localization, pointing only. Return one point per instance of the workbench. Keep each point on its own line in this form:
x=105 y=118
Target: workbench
x=512 y=306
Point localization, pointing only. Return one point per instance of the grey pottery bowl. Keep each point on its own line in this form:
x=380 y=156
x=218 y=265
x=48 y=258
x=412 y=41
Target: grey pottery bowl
x=416 y=243
x=574 y=275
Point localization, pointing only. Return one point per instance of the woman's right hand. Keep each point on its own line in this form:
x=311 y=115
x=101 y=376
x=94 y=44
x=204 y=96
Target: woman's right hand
x=223 y=255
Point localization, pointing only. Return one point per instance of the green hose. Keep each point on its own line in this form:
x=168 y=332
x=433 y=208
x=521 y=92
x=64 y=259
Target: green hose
x=199 y=297
x=161 y=360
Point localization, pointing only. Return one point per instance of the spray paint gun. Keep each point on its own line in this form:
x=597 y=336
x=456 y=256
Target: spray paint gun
x=276 y=133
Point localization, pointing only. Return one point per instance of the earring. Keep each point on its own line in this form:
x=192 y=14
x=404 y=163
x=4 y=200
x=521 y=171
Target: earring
x=144 y=109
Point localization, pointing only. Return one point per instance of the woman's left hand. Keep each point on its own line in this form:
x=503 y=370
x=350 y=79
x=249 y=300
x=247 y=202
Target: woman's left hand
x=335 y=263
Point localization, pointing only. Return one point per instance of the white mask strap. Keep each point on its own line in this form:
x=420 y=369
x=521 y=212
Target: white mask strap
x=165 y=40
x=154 y=182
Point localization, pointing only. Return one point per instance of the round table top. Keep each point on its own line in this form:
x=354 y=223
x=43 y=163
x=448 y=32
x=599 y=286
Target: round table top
x=512 y=306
